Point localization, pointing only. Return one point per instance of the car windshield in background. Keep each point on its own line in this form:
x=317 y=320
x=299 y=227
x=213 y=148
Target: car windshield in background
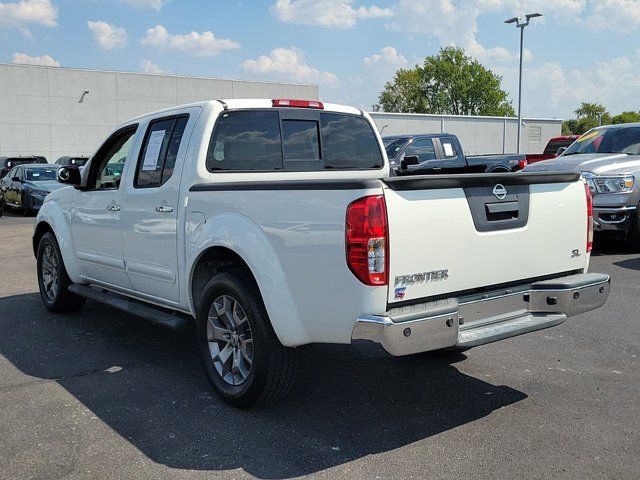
x=608 y=140
x=40 y=174
x=395 y=146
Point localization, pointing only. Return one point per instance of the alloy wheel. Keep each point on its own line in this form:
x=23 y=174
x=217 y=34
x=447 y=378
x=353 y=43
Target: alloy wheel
x=230 y=340
x=50 y=273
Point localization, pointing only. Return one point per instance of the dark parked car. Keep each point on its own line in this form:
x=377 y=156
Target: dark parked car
x=67 y=160
x=25 y=186
x=438 y=153
x=6 y=163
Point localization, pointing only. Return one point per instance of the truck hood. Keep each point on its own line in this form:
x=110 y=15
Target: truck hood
x=597 y=163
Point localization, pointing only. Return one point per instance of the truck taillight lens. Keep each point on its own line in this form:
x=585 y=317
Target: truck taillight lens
x=587 y=191
x=367 y=240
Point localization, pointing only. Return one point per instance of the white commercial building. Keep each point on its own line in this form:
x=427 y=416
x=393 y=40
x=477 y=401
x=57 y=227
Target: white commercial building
x=54 y=111
x=478 y=135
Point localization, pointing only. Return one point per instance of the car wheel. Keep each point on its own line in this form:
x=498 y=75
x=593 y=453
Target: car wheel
x=53 y=280
x=26 y=209
x=245 y=362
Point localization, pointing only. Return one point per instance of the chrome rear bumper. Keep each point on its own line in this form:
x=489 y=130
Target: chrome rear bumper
x=472 y=321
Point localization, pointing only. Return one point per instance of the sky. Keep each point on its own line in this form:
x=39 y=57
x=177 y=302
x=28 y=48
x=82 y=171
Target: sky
x=580 y=50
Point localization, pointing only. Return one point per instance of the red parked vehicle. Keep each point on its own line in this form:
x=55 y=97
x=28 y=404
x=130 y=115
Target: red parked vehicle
x=551 y=150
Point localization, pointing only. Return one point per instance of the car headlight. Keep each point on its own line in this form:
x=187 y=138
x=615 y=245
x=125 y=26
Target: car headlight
x=613 y=184
x=34 y=191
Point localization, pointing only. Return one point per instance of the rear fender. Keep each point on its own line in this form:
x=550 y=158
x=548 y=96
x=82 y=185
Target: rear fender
x=244 y=237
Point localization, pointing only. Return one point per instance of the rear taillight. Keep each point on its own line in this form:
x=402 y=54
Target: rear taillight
x=287 y=102
x=522 y=164
x=587 y=192
x=367 y=240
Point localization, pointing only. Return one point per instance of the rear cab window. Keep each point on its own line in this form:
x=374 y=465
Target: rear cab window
x=292 y=140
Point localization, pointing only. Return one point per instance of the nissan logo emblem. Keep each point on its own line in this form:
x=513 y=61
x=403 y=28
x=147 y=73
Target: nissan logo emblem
x=499 y=191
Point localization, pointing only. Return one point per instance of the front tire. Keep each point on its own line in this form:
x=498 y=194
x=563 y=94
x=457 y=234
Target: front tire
x=26 y=209
x=245 y=362
x=53 y=280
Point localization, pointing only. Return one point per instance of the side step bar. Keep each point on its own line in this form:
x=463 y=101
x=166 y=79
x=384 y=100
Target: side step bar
x=120 y=302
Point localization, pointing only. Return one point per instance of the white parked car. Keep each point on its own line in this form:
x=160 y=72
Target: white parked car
x=274 y=224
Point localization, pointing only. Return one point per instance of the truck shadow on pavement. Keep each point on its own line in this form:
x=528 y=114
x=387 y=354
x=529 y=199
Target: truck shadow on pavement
x=146 y=383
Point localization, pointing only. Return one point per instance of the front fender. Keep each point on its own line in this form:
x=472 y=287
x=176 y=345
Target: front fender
x=243 y=236
x=53 y=214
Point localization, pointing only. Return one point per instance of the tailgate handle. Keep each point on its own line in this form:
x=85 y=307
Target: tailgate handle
x=502 y=207
x=502 y=211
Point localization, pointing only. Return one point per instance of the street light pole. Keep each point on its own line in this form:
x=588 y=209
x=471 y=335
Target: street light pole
x=520 y=90
x=521 y=26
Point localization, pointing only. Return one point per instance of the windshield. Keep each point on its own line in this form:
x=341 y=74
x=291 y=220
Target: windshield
x=608 y=140
x=395 y=146
x=40 y=174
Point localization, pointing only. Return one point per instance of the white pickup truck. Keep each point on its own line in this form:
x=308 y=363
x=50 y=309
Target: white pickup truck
x=274 y=224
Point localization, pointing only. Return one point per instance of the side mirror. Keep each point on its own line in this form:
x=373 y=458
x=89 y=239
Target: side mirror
x=69 y=175
x=409 y=160
x=560 y=151
x=16 y=179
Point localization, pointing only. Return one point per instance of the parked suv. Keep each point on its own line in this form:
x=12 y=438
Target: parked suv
x=274 y=224
x=6 y=163
x=68 y=160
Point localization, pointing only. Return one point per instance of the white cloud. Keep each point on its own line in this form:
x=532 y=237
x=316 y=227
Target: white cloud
x=616 y=15
x=455 y=22
x=325 y=13
x=203 y=44
x=555 y=91
x=107 y=35
x=387 y=56
x=45 y=60
x=149 y=67
x=288 y=64
x=142 y=4
x=24 y=12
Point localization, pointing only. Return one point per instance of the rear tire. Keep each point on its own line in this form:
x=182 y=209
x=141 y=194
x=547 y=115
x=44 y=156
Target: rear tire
x=53 y=280
x=245 y=362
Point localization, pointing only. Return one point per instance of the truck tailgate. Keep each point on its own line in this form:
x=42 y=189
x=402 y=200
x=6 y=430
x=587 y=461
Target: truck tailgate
x=458 y=233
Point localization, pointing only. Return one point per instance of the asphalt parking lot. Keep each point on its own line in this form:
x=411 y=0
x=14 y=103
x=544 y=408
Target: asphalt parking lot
x=96 y=394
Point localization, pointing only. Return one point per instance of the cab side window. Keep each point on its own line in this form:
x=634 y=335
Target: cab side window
x=159 y=151
x=422 y=148
x=108 y=164
x=448 y=147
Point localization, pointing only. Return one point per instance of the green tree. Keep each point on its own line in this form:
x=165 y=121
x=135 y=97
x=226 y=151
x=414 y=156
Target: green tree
x=448 y=83
x=589 y=115
x=626 y=117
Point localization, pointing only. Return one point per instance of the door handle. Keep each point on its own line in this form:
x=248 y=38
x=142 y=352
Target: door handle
x=164 y=209
x=113 y=208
